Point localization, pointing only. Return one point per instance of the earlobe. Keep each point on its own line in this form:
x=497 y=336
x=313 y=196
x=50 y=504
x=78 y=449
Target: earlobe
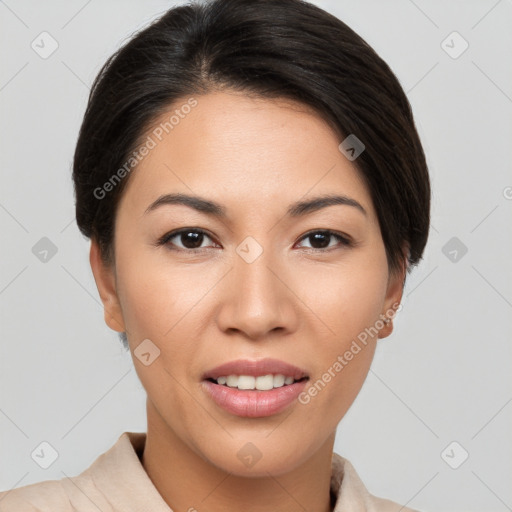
x=387 y=326
x=105 y=282
x=393 y=299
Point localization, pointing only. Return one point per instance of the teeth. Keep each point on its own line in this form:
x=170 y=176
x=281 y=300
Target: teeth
x=262 y=383
x=246 y=382
x=232 y=381
x=279 y=380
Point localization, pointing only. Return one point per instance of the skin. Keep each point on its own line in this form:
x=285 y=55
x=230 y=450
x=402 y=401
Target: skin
x=294 y=303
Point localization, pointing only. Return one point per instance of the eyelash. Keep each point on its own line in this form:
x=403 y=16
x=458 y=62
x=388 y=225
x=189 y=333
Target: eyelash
x=345 y=241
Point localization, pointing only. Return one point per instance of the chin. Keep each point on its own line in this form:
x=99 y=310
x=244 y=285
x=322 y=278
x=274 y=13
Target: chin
x=257 y=458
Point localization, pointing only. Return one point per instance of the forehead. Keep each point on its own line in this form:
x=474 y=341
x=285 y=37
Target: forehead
x=249 y=153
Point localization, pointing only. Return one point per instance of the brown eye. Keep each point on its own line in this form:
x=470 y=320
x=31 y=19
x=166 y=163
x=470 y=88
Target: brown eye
x=185 y=239
x=321 y=239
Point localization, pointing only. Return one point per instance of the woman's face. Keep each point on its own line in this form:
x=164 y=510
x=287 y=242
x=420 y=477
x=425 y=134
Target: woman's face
x=257 y=284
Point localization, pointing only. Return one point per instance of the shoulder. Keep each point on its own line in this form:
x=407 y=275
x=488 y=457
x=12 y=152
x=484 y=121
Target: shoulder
x=70 y=494
x=42 y=496
x=353 y=495
x=80 y=492
x=377 y=504
x=115 y=480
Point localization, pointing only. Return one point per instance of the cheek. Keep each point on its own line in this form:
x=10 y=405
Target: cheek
x=160 y=308
x=158 y=304
x=156 y=295
x=347 y=297
x=164 y=302
x=347 y=301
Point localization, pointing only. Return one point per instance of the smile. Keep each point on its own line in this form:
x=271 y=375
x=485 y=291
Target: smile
x=260 y=383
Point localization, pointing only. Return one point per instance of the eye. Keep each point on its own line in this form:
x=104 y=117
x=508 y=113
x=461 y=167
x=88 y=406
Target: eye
x=320 y=239
x=190 y=239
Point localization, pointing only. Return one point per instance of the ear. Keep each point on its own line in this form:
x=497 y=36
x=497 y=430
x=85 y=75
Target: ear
x=393 y=298
x=104 y=275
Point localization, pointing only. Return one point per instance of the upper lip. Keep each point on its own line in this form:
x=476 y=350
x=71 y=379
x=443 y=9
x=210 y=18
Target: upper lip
x=256 y=368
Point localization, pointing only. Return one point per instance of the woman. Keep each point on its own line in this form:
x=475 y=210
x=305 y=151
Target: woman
x=255 y=192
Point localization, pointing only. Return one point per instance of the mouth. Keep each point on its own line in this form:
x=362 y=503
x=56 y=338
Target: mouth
x=256 y=383
x=250 y=388
x=259 y=374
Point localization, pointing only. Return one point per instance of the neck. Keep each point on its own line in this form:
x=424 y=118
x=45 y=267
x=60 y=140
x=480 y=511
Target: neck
x=186 y=481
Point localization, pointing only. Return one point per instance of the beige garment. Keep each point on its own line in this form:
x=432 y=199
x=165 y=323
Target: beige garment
x=117 y=481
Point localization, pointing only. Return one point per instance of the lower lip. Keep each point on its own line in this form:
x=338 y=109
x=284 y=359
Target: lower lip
x=253 y=403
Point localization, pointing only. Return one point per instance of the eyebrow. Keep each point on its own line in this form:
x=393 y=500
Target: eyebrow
x=298 y=209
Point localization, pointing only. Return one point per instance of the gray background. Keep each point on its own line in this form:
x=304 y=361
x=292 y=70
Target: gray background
x=443 y=376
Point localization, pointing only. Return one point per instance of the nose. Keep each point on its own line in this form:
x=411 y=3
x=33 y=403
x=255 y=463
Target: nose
x=257 y=300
